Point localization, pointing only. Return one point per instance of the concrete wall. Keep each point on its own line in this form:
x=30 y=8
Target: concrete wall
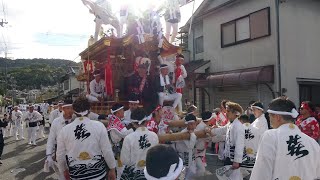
x=197 y=31
x=300 y=38
x=250 y=54
x=73 y=84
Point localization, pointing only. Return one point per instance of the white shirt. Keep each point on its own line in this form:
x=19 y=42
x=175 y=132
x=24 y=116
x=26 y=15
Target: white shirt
x=85 y=144
x=97 y=89
x=235 y=136
x=127 y=117
x=135 y=147
x=251 y=142
x=44 y=107
x=285 y=153
x=55 y=128
x=201 y=143
x=54 y=114
x=186 y=151
x=16 y=116
x=261 y=123
x=33 y=116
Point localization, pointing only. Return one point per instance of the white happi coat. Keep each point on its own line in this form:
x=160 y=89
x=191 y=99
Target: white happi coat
x=186 y=151
x=201 y=143
x=235 y=136
x=97 y=89
x=200 y=153
x=135 y=147
x=287 y=153
x=84 y=147
x=17 y=117
x=117 y=129
x=251 y=142
x=261 y=123
x=54 y=114
x=55 y=128
x=127 y=117
x=35 y=116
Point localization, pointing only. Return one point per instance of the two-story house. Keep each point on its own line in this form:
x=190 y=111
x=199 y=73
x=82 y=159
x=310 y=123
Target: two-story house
x=258 y=50
x=70 y=86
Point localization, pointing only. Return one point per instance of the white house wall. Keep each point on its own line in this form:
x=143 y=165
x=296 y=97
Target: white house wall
x=255 y=53
x=300 y=50
x=74 y=83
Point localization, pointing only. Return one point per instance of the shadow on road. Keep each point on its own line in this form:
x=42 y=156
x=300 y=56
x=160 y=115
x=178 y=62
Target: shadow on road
x=33 y=165
x=22 y=147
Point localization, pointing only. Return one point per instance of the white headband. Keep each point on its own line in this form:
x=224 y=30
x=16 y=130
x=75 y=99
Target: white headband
x=257 y=107
x=95 y=75
x=186 y=122
x=294 y=113
x=172 y=174
x=194 y=106
x=139 y=121
x=83 y=113
x=135 y=102
x=66 y=105
x=113 y=111
x=209 y=118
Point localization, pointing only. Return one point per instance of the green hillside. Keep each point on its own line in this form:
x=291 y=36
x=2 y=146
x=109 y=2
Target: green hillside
x=32 y=73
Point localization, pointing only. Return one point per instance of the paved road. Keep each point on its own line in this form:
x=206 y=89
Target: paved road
x=25 y=162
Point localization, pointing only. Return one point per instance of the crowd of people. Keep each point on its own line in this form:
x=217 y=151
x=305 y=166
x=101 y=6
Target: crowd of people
x=125 y=144
x=129 y=147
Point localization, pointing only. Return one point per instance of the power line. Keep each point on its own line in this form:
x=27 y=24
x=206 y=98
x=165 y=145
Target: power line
x=4 y=11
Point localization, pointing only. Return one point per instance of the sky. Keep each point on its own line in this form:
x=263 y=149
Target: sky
x=53 y=28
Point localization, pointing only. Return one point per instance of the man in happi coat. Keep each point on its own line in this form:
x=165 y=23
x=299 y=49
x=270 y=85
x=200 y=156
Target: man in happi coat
x=117 y=132
x=97 y=88
x=260 y=122
x=186 y=148
x=3 y=124
x=136 y=145
x=156 y=124
x=286 y=152
x=17 y=119
x=307 y=122
x=55 y=128
x=133 y=104
x=234 y=145
x=84 y=150
x=140 y=86
x=251 y=142
x=165 y=89
x=202 y=144
x=221 y=121
x=32 y=119
x=56 y=112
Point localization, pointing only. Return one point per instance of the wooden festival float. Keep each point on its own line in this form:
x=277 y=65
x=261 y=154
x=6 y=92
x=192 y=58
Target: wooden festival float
x=116 y=59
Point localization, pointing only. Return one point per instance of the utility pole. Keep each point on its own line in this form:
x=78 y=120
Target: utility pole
x=277 y=4
x=6 y=69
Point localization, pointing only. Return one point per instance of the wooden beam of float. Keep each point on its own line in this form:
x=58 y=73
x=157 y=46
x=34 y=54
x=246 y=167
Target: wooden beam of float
x=173 y=136
x=180 y=123
x=180 y=136
x=177 y=123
